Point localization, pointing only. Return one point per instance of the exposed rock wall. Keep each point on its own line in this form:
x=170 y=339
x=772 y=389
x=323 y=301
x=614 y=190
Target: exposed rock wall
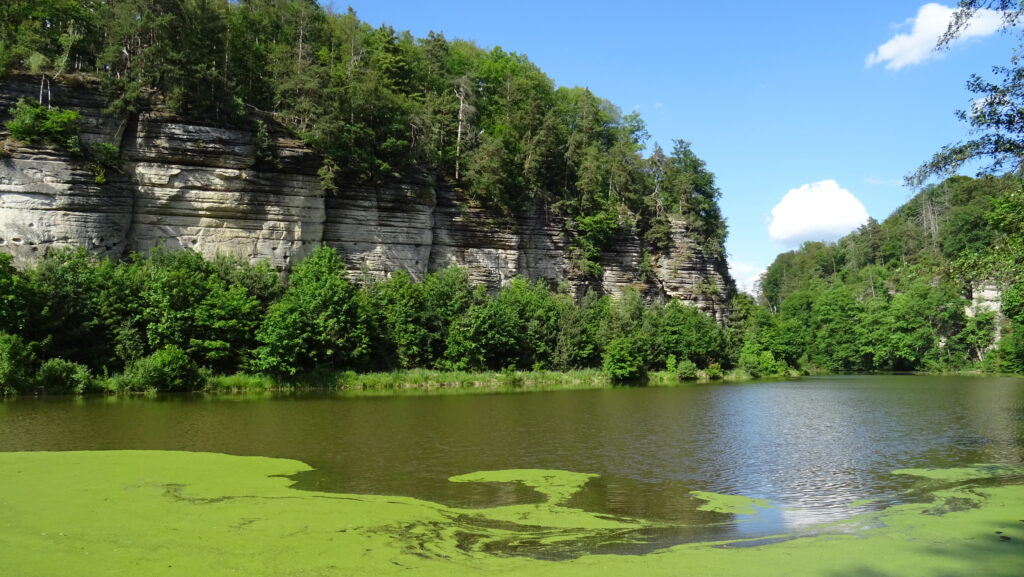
x=201 y=187
x=50 y=199
x=205 y=188
x=380 y=230
x=687 y=274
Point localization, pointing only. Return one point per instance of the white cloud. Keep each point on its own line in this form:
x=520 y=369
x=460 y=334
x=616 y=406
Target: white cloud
x=745 y=275
x=930 y=23
x=817 y=211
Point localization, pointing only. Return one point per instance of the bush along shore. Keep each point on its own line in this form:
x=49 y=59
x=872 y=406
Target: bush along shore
x=174 y=321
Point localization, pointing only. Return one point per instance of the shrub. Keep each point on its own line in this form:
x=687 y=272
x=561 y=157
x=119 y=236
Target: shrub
x=760 y=363
x=33 y=123
x=16 y=363
x=623 y=360
x=714 y=372
x=62 y=376
x=686 y=370
x=103 y=157
x=671 y=363
x=168 y=369
x=262 y=143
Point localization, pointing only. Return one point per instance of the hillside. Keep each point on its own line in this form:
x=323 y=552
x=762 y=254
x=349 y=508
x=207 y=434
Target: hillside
x=936 y=286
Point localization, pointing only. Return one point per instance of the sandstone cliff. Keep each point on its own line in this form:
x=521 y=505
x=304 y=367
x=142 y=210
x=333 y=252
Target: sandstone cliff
x=185 y=185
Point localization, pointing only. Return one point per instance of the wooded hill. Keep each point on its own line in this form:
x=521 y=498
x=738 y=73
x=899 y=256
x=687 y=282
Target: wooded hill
x=919 y=291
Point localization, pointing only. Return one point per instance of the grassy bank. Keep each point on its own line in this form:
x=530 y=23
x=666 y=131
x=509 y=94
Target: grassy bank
x=423 y=381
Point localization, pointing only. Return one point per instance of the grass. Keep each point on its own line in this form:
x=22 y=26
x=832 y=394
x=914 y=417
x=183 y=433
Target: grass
x=420 y=382
x=240 y=383
x=431 y=382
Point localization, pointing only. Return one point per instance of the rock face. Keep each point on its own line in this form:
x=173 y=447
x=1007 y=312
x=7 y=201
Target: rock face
x=209 y=189
x=49 y=199
x=202 y=188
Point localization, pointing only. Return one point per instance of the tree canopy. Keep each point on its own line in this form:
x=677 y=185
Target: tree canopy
x=900 y=294
x=996 y=115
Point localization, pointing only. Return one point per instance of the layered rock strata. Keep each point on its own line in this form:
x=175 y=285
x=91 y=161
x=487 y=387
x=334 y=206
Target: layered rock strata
x=184 y=185
x=48 y=198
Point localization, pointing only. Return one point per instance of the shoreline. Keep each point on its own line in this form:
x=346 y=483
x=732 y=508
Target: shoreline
x=424 y=382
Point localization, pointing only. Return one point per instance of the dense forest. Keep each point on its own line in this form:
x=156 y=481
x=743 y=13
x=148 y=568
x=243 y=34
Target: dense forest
x=902 y=294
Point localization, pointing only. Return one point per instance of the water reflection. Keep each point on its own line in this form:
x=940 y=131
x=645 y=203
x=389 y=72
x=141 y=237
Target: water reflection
x=811 y=447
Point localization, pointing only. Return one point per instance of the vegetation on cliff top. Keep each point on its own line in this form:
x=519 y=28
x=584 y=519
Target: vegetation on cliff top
x=379 y=104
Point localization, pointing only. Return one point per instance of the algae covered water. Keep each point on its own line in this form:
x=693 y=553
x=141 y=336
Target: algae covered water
x=633 y=470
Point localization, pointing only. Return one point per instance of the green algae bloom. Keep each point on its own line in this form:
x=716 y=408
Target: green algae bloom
x=733 y=504
x=147 y=513
x=961 y=474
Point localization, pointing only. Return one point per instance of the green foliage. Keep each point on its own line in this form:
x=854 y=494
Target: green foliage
x=12 y=297
x=690 y=335
x=760 y=362
x=401 y=309
x=34 y=124
x=377 y=104
x=320 y=320
x=63 y=312
x=1013 y=302
x=592 y=234
x=517 y=328
x=163 y=316
x=579 y=337
x=993 y=115
x=688 y=189
x=59 y=376
x=103 y=157
x=671 y=363
x=447 y=295
x=17 y=361
x=686 y=370
x=224 y=323
x=623 y=360
x=262 y=143
x=1010 y=354
x=169 y=369
x=890 y=296
x=714 y=372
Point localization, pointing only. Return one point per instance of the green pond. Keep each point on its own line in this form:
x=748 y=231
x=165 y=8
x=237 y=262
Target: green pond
x=714 y=479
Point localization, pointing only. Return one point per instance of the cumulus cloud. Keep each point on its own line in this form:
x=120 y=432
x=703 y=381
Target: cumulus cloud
x=918 y=44
x=817 y=211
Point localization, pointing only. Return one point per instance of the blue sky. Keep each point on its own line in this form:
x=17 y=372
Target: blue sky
x=819 y=98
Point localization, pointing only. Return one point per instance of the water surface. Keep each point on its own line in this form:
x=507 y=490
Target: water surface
x=817 y=449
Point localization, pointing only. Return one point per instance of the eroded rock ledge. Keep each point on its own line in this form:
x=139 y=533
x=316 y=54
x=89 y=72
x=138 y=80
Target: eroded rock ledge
x=185 y=185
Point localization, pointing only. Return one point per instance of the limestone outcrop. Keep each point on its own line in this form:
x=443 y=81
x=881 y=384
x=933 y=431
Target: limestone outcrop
x=207 y=188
